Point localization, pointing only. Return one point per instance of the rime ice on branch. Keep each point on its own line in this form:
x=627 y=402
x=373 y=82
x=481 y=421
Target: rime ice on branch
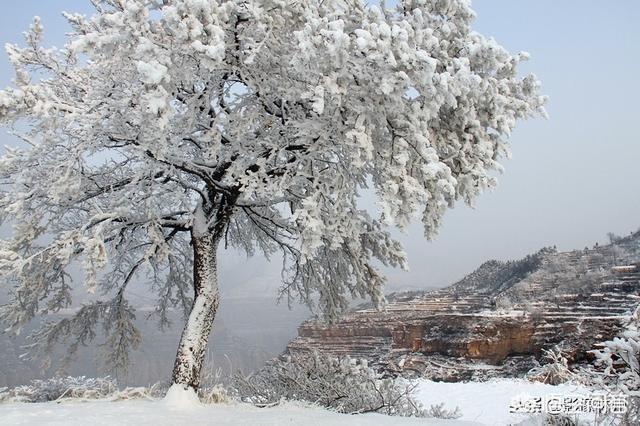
x=166 y=128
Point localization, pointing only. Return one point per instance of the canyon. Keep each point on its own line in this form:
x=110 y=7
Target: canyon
x=498 y=321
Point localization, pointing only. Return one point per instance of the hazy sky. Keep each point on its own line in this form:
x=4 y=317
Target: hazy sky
x=572 y=178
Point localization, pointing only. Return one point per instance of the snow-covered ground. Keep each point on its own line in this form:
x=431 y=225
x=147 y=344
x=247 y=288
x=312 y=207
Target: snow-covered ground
x=488 y=402
x=481 y=404
x=158 y=413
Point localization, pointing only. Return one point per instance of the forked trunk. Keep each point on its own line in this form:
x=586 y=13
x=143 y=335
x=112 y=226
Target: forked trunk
x=193 y=343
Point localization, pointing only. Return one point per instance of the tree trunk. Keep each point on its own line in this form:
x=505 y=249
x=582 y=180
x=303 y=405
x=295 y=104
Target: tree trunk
x=193 y=343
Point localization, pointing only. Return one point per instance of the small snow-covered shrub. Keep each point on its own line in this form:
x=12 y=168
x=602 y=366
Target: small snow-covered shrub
x=616 y=369
x=557 y=420
x=213 y=382
x=342 y=384
x=439 y=412
x=618 y=360
x=61 y=387
x=555 y=370
x=154 y=391
x=78 y=388
x=214 y=395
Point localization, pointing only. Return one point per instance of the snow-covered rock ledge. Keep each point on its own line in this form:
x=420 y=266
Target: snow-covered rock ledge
x=179 y=409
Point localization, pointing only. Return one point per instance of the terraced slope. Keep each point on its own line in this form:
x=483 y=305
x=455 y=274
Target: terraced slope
x=495 y=321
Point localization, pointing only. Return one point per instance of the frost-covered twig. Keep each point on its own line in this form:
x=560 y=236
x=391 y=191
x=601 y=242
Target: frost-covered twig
x=343 y=384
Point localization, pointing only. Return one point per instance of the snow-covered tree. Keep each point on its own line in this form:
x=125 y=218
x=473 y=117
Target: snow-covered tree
x=617 y=361
x=164 y=129
x=616 y=370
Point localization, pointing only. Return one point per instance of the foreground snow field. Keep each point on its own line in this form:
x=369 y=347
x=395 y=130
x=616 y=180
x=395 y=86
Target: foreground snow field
x=488 y=402
x=481 y=404
x=158 y=413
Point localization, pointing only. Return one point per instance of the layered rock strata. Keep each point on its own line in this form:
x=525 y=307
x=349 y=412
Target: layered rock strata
x=497 y=321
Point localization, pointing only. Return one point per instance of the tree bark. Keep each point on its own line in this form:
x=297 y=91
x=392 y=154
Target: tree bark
x=193 y=343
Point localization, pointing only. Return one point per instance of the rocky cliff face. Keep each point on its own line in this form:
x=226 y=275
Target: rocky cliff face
x=496 y=321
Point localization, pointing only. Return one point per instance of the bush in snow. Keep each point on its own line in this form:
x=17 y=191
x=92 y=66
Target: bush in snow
x=555 y=370
x=555 y=420
x=214 y=395
x=438 y=411
x=60 y=387
x=616 y=368
x=76 y=387
x=342 y=384
x=617 y=360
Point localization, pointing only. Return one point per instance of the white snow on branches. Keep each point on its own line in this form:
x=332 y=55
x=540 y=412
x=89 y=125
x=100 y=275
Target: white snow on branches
x=618 y=360
x=259 y=121
x=152 y=72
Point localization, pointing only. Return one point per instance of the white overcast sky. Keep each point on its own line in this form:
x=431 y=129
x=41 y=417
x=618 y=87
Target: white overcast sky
x=572 y=179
